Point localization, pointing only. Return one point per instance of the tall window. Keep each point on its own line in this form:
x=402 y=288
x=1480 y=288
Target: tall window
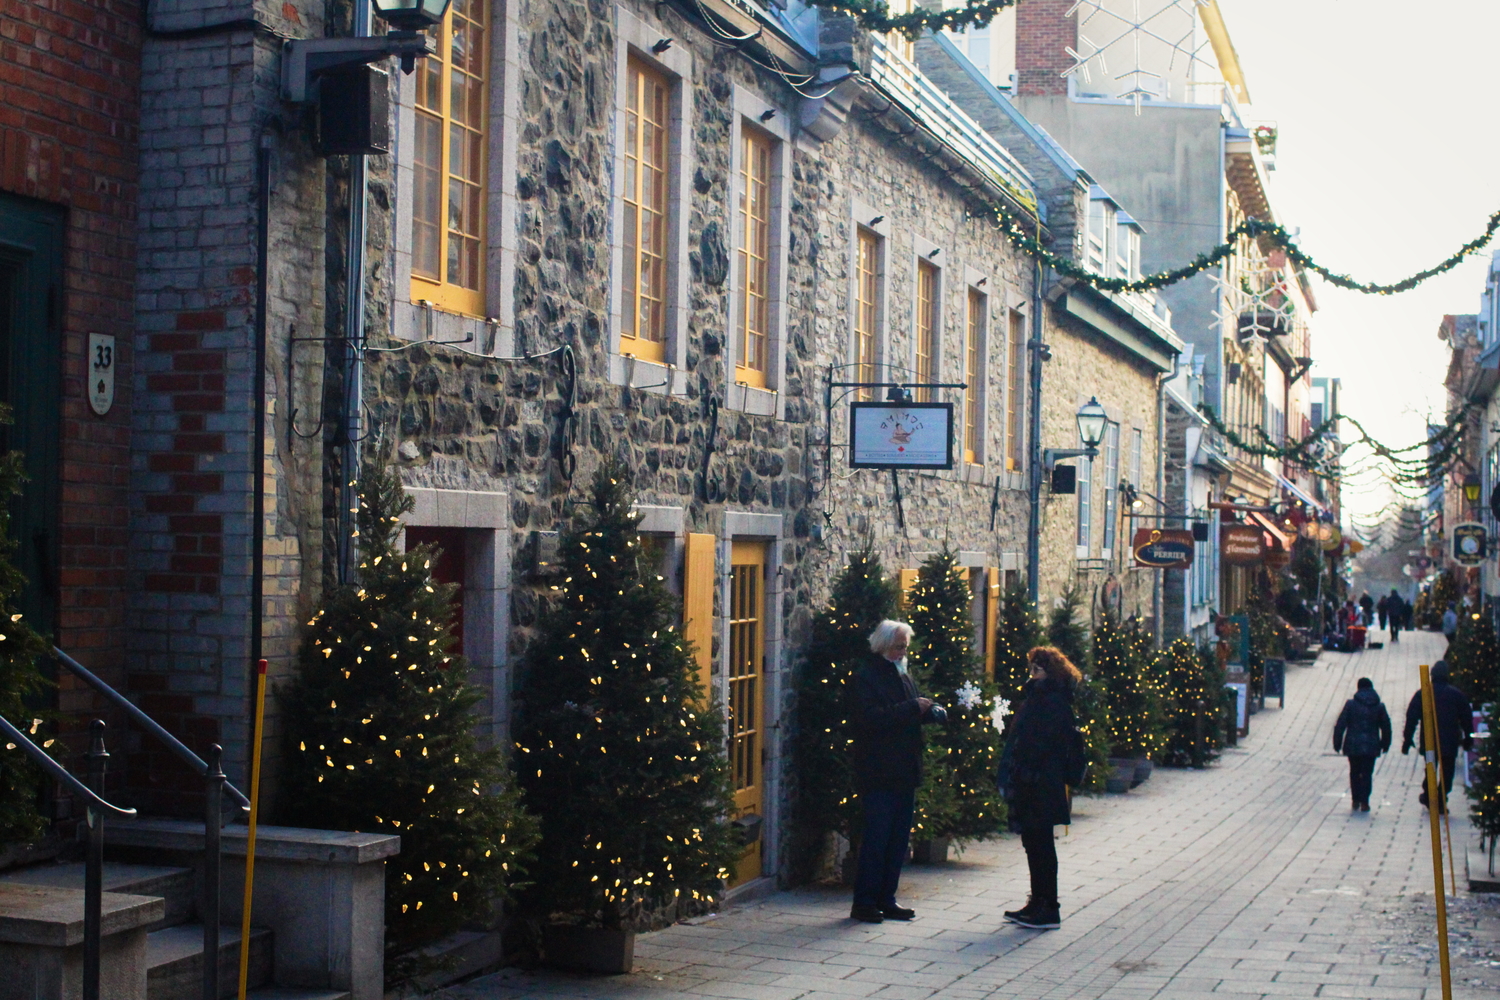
x=1085 y=486
x=866 y=308
x=1137 y=440
x=1111 y=485
x=1015 y=396
x=448 y=195
x=643 y=306
x=974 y=377
x=755 y=258
x=928 y=310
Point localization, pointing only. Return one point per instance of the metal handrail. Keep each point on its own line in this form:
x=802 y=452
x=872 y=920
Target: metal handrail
x=146 y=722
x=59 y=772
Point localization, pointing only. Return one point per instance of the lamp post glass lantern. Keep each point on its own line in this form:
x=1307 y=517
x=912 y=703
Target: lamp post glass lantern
x=1091 y=421
x=411 y=15
x=1471 y=487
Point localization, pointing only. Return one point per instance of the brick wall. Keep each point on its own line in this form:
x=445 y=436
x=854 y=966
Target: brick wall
x=69 y=114
x=1044 y=33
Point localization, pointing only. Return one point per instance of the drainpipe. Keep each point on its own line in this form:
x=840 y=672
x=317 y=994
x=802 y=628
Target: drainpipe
x=1161 y=491
x=354 y=346
x=258 y=447
x=1034 y=456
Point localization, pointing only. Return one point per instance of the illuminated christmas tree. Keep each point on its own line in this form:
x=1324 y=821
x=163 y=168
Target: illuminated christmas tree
x=616 y=749
x=958 y=797
x=21 y=653
x=826 y=802
x=1474 y=656
x=1067 y=633
x=1121 y=667
x=1016 y=633
x=379 y=730
x=1484 y=782
x=1191 y=704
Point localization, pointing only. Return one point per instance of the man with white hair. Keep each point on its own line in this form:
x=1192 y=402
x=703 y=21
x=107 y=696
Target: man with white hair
x=887 y=714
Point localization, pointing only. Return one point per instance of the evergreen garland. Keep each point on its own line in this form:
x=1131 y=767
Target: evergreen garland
x=21 y=679
x=826 y=801
x=963 y=753
x=1474 y=656
x=614 y=750
x=379 y=735
x=1122 y=664
x=1067 y=633
x=1191 y=702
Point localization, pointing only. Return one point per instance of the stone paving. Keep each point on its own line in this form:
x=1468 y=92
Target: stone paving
x=1251 y=879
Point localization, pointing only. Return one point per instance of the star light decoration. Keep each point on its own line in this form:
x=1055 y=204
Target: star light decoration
x=1168 y=23
x=1254 y=297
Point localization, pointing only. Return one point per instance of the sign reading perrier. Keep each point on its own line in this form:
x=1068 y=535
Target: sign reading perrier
x=1163 y=548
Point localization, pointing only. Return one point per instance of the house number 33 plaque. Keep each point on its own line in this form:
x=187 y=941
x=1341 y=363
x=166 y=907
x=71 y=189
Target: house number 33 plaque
x=101 y=372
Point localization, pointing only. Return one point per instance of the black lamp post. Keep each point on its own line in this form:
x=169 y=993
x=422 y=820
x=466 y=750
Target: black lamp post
x=1091 y=422
x=306 y=59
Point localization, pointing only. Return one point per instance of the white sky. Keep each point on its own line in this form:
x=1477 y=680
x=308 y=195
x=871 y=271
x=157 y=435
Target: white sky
x=1389 y=160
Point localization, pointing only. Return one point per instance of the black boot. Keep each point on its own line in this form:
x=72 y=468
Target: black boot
x=1014 y=915
x=1046 y=916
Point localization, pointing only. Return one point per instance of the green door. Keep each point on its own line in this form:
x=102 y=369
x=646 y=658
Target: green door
x=31 y=303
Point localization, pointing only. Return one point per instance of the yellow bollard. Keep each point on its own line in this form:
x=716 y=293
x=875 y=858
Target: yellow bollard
x=1434 y=791
x=260 y=724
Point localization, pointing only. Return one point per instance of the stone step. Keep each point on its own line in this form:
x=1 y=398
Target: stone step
x=296 y=993
x=173 y=885
x=174 y=961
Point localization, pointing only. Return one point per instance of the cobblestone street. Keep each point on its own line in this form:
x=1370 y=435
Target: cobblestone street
x=1251 y=879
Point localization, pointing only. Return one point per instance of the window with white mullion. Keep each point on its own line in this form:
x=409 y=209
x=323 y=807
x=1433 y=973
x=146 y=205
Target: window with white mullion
x=1111 y=485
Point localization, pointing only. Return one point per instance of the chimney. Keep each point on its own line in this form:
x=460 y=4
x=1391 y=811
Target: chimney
x=1044 y=33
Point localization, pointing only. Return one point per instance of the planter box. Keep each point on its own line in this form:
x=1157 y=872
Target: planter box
x=588 y=949
x=931 y=852
x=1143 y=768
x=1121 y=776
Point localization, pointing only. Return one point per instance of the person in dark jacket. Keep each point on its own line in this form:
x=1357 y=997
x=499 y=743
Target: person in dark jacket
x=1455 y=724
x=887 y=714
x=1395 y=612
x=1380 y=607
x=1366 y=609
x=1362 y=734
x=1043 y=757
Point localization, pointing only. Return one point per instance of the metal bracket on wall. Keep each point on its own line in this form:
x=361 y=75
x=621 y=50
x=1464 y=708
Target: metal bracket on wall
x=710 y=491
x=567 y=414
x=995 y=503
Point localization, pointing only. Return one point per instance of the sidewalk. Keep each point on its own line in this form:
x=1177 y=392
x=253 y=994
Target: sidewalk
x=1251 y=879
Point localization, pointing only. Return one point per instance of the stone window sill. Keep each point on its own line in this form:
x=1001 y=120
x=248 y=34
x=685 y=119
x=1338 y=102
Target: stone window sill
x=757 y=402
x=647 y=376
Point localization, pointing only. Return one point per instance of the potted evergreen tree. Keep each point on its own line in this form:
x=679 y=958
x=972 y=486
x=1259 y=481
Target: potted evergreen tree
x=1128 y=692
x=1066 y=632
x=617 y=749
x=1191 y=682
x=1474 y=656
x=379 y=736
x=826 y=803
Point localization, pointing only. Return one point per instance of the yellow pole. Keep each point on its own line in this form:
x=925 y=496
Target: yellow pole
x=1434 y=791
x=260 y=732
x=1429 y=720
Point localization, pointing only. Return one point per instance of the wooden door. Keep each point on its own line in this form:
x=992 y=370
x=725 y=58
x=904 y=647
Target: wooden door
x=747 y=658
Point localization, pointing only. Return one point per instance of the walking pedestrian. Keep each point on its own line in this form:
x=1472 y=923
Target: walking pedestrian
x=1362 y=734
x=1043 y=759
x=888 y=713
x=1380 y=609
x=1366 y=609
x=1395 y=609
x=1450 y=624
x=1455 y=723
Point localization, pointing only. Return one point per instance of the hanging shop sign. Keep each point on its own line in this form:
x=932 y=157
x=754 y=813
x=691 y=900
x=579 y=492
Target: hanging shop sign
x=1470 y=543
x=1242 y=545
x=1330 y=538
x=1163 y=549
x=901 y=435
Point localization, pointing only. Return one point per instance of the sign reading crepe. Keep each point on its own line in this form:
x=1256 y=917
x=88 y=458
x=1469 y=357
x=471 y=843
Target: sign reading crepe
x=901 y=435
x=1242 y=545
x=1163 y=549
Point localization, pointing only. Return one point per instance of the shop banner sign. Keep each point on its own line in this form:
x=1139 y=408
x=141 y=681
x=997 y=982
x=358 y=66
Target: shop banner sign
x=1163 y=549
x=1242 y=545
x=1470 y=544
x=901 y=435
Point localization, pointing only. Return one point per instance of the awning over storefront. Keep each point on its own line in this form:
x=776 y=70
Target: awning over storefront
x=1297 y=492
x=1277 y=536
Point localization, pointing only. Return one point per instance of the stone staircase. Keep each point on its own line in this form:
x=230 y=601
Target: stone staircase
x=53 y=893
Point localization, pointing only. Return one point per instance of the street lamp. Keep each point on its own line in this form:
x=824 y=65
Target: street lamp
x=411 y=15
x=306 y=59
x=1471 y=487
x=1091 y=421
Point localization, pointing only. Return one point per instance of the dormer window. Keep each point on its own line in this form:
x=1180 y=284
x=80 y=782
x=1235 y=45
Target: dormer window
x=1101 y=248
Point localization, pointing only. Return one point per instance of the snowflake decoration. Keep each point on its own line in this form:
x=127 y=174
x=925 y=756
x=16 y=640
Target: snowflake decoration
x=1169 y=24
x=969 y=695
x=997 y=715
x=1254 y=297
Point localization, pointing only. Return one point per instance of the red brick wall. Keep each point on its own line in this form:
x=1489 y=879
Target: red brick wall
x=1044 y=33
x=69 y=116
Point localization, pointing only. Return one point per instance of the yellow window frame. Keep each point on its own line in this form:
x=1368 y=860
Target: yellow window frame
x=927 y=327
x=757 y=165
x=462 y=57
x=1016 y=394
x=646 y=196
x=866 y=308
x=974 y=376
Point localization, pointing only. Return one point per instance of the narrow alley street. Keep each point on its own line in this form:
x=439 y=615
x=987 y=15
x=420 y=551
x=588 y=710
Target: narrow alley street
x=1251 y=879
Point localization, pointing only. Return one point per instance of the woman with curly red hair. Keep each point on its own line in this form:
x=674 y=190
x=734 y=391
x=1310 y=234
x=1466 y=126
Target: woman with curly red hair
x=1043 y=757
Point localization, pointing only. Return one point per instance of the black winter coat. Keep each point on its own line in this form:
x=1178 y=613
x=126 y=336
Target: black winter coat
x=887 y=728
x=1042 y=756
x=1455 y=719
x=1364 y=726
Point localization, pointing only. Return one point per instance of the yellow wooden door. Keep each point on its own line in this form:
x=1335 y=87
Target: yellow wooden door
x=698 y=607
x=747 y=655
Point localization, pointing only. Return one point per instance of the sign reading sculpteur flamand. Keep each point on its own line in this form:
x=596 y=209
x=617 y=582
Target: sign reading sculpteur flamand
x=1163 y=548
x=901 y=435
x=1242 y=545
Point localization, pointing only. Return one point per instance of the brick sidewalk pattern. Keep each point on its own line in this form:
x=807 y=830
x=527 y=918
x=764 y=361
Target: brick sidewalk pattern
x=1251 y=879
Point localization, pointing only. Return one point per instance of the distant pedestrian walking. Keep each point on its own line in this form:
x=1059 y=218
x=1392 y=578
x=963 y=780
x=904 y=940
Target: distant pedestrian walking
x=1380 y=606
x=888 y=716
x=1455 y=723
x=1395 y=611
x=1362 y=734
x=1450 y=623
x=1043 y=759
x=1366 y=609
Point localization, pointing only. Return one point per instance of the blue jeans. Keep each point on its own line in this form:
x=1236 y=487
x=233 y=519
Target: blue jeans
x=882 y=848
